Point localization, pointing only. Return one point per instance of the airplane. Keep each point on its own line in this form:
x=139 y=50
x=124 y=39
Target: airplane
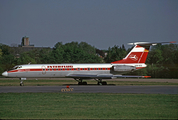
x=134 y=60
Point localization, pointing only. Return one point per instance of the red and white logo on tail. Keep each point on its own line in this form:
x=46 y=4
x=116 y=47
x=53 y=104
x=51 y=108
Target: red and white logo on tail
x=137 y=55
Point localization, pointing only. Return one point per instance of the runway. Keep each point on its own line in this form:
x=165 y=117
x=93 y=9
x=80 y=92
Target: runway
x=91 y=89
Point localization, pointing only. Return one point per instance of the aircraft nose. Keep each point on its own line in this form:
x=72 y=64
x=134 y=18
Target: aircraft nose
x=5 y=73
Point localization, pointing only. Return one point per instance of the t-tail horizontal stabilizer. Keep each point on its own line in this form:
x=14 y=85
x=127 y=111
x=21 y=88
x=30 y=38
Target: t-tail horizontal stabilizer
x=149 y=43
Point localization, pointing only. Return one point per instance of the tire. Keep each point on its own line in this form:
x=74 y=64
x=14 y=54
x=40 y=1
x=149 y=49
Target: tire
x=104 y=83
x=79 y=83
x=84 y=83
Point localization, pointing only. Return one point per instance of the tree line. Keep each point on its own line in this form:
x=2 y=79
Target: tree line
x=162 y=60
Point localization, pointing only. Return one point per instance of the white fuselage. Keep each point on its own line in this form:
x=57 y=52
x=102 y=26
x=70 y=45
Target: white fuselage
x=63 y=70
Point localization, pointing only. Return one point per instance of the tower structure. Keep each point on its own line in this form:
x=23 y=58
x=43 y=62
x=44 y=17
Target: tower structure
x=25 y=42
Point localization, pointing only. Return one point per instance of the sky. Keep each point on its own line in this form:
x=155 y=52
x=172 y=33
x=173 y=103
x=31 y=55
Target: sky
x=100 y=23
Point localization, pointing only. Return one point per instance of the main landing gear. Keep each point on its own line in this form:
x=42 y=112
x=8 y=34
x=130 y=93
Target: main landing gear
x=100 y=82
x=80 y=81
x=21 y=81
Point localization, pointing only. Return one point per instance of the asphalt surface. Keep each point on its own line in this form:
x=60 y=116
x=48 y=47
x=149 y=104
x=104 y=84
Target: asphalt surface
x=91 y=89
x=116 y=79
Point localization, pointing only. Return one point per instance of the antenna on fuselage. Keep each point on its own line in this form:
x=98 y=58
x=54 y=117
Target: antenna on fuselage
x=29 y=63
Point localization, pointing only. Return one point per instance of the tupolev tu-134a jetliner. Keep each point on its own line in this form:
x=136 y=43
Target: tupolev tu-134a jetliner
x=135 y=60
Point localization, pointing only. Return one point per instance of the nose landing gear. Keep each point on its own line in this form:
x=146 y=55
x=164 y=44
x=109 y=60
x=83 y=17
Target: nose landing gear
x=21 y=81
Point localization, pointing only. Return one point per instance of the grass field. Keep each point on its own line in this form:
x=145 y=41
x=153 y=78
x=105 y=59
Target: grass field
x=87 y=106
x=73 y=82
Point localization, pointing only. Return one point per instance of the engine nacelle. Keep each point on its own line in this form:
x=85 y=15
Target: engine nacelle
x=123 y=68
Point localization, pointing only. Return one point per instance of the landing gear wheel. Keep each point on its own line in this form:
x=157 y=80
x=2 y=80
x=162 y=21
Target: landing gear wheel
x=21 y=81
x=102 y=83
x=99 y=83
x=79 y=83
x=82 y=83
x=79 y=80
x=21 y=84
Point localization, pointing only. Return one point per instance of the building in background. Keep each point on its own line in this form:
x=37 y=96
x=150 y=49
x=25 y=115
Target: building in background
x=25 y=46
x=25 y=42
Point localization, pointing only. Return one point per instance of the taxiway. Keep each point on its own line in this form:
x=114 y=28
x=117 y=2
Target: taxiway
x=92 y=89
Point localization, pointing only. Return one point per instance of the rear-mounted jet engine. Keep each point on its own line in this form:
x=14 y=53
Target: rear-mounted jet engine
x=123 y=68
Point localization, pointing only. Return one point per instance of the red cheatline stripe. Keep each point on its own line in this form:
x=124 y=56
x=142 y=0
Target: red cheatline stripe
x=12 y=71
x=62 y=69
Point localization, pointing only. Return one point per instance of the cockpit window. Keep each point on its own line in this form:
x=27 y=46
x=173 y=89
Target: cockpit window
x=18 y=67
x=15 y=68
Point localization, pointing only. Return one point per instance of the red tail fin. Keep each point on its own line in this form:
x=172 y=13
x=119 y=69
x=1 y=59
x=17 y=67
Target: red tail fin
x=137 y=55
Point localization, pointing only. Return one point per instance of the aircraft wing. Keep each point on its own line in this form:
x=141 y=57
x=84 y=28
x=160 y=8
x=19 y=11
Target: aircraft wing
x=91 y=76
x=130 y=76
x=103 y=76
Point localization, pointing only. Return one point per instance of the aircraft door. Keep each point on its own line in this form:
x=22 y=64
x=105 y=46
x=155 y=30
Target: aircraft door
x=43 y=70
